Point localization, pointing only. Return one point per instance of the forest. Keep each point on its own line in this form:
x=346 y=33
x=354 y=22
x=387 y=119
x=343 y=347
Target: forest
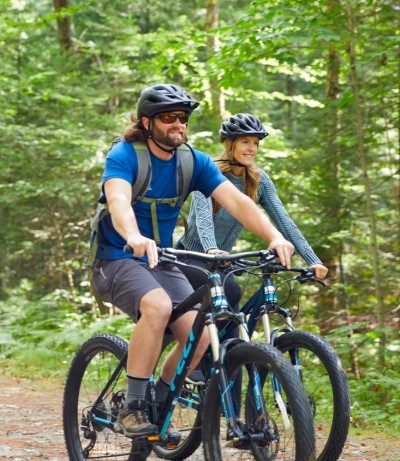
x=322 y=75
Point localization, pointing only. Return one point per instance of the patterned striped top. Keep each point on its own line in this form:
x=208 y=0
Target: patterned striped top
x=221 y=230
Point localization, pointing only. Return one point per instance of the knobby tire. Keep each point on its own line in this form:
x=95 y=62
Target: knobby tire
x=294 y=443
x=326 y=385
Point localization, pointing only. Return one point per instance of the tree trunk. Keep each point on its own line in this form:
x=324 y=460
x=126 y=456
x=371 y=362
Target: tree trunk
x=64 y=25
x=379 y=309
x=330 y=173
x=213 y=45
x=65 y=268
x=334 y=307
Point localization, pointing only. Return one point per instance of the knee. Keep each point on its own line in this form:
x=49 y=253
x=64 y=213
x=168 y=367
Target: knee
x=157 y=307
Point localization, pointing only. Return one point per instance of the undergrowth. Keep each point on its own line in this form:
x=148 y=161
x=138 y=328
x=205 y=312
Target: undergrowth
x=38 y=338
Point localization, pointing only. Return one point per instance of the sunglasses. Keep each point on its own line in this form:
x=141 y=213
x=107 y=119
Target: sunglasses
x=170 y=117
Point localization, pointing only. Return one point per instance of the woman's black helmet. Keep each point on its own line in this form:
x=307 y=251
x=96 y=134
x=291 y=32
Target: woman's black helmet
x=242 y=125
x=163 y=98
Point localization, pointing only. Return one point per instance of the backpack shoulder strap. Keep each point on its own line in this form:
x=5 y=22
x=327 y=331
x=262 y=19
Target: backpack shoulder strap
x=185 y=172
x=143 y=180
x=144 y=174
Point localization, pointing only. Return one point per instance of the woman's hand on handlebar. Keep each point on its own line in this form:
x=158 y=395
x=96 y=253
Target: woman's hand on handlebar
x=284 y=250
x=320 y=271
x=215 y=251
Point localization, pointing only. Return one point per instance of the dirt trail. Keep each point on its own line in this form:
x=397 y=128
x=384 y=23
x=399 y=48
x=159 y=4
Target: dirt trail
x=30 y=415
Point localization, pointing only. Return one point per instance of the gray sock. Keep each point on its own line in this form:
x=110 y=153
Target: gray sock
x=136 y=388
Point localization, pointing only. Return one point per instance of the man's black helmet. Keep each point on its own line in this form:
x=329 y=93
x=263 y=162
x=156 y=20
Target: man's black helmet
x=163 y=98
x=242 y=125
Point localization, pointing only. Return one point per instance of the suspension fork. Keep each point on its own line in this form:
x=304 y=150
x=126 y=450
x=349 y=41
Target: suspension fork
x=220 y=312
x=219 y=352
x=271 y=305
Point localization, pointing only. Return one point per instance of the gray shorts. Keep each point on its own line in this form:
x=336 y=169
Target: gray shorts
x=124 y=282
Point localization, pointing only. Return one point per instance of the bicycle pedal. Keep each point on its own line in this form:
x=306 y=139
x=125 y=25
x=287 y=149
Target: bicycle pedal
x=146 y=439
x=153 y=438
x=171 y=446
x=174 y=439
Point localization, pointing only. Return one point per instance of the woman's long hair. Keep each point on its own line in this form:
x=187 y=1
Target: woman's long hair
x=250 y=175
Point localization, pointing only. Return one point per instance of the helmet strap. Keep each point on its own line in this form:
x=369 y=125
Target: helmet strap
x=232 y=162
x=230 y=156
x=169 y=151
x=150 y=136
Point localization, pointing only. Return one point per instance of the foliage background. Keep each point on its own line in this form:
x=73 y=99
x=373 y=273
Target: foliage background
x=324 y=78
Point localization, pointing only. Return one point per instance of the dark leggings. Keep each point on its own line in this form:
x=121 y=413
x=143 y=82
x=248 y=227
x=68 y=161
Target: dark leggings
x=233 y=293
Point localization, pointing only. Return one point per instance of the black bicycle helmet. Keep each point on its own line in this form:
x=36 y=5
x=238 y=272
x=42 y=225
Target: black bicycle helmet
x=163 y=98
x=242 y=125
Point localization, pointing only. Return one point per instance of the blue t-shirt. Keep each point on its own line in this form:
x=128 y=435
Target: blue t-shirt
x=121 y=162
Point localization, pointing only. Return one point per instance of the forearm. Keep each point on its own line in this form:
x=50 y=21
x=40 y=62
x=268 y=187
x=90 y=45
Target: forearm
x=275 y=209
x=119 y=195
x=123 y=218
x=202 y=211
x=241 y=207
x=255 y=220
x=247 y=212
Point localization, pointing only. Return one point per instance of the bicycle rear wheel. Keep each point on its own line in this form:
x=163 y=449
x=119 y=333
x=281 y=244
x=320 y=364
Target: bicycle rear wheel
x=283 y=433
x=326 y=385
x=91 y=369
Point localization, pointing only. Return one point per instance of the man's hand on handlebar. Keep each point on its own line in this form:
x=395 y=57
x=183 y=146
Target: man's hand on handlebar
x=143 y=246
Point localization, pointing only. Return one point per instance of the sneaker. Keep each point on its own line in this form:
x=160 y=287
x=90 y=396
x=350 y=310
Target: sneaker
x=134 y=420
x=196 y=378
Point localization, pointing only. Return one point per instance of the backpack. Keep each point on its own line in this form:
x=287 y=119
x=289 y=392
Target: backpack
x=140 y=187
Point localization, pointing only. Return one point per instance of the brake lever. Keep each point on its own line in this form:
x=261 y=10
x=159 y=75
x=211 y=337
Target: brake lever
x=304 y=278
x=164 y=259
x=321 y=282
x=308 y=275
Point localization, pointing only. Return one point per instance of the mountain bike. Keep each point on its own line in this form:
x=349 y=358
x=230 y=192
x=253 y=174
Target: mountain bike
x=275 y=426
x=314 y=359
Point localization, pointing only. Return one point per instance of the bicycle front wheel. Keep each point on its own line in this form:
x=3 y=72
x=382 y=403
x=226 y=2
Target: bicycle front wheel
x=326 y=385
x=86 y=436
x=186 y=418
x=276 y=426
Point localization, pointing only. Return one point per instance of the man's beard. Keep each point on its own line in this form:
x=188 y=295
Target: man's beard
x=166 y=138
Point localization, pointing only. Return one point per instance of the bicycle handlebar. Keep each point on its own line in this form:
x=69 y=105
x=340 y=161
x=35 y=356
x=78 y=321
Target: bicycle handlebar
x=173 y=254
x=265 y=261
x=262 y=255
x=306 y=273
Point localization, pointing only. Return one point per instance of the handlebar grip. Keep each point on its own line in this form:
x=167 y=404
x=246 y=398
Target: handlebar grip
x=128 y=249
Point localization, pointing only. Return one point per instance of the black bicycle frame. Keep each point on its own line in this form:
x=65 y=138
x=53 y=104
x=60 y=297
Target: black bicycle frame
x=213 y=308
